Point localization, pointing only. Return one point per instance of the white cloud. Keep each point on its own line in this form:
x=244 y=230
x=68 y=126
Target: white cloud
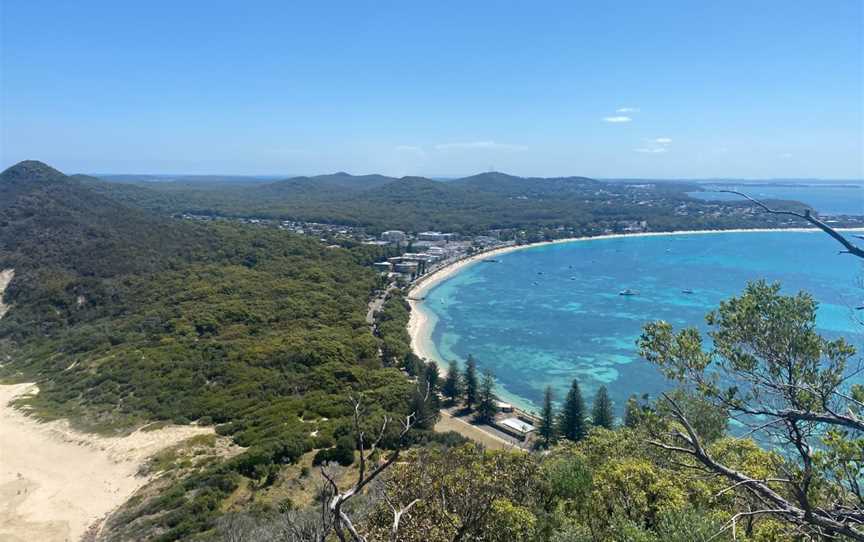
x=621 y=118
x=481 y=145
x=662 y=140
x=651 y=150
x=627 y=110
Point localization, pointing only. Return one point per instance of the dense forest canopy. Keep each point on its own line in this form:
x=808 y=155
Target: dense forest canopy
x=473 y=204
x=123 y=317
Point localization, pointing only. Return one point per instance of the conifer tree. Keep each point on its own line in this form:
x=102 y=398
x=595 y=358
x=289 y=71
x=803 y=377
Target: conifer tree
x=470 y=381
x=547 y=430
x=572 y=424
x=452 y=388
x=602 y=413
x=432 y=376
x=486 y=406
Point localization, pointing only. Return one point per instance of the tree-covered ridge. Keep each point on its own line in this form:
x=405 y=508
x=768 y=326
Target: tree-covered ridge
x=123 y=317
x=470 y=205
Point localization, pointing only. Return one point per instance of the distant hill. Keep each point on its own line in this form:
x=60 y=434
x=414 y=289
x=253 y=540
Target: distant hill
x=509 y=185
x=470 y=205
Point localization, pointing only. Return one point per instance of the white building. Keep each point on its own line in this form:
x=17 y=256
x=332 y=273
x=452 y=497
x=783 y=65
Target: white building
x=516 y=427
x=436 y=236
x=394 y=236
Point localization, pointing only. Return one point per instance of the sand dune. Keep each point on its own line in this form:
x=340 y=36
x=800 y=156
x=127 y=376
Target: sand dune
x=6 y=276
x=56 y=482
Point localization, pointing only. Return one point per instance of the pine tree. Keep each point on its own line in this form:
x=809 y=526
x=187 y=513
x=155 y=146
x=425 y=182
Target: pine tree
x=601 y=413
x=572 y=424
x=486 y=406
x=432 y=376
x=424 y=411
x=547 y=429
x=470 y=381
x=452 y=388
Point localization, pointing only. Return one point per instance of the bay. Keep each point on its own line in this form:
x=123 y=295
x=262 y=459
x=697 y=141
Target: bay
x=548 y=314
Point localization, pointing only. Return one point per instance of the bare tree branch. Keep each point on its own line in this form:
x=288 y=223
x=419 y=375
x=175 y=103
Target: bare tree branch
x=837 y=521
x=806 y=215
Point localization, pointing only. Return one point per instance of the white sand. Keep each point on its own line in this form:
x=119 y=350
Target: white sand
x=56 y=482
x=419 y=325
x=6 y=277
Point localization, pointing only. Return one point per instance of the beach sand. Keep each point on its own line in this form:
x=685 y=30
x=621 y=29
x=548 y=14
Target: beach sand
x=56 y=483
x=6 y=277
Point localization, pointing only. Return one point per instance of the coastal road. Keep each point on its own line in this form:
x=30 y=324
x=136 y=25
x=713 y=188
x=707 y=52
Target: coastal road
x=486 y=435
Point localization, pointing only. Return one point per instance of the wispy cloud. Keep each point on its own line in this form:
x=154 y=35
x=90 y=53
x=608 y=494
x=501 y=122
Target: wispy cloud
x=627 y=110
x=621 y=118
x=657 y=145
x=786 y=155
x=480 y=145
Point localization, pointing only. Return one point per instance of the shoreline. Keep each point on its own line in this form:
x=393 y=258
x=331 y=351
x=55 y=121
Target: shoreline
x=419 y=323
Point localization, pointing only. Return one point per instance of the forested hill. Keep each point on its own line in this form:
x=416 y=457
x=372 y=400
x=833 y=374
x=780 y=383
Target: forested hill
x=468 y=205
x=124 y=318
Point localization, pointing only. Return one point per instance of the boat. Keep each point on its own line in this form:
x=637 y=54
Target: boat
x=489 y=260
x=686 y=291
x=628 y=291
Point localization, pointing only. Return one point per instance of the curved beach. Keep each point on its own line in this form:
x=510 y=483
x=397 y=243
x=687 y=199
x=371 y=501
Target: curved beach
x=421 y=325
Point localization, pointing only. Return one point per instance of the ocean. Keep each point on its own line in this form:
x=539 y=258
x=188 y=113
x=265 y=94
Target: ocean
x=841 y=198
x=545 y=315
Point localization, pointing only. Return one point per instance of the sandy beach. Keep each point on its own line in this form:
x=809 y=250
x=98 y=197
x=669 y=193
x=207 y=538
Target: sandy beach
x=6 y=277
x=419 y=325
x=56 y=483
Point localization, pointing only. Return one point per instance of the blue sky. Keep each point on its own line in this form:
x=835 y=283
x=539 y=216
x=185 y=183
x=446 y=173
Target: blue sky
x=701 y=89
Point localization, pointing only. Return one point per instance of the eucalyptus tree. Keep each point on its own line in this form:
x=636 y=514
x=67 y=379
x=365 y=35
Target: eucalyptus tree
x=778 y=378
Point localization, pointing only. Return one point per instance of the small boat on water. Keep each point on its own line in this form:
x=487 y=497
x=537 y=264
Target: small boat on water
x=489 y=260
x=628 y=291
x=686 y=291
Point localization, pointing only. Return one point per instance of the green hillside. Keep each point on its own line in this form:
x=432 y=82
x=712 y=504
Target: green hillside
x=125 y=318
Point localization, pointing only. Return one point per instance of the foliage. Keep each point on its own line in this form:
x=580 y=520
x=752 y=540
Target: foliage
x=486 y=400
x=452 y=387
x=602 y=413
x=572 y=421
x=470 y=383
x=774 y=374
x=124 y=318
x=547 y=430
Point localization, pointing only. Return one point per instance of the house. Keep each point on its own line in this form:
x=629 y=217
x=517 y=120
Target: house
x=515 y=427
x=394 y=236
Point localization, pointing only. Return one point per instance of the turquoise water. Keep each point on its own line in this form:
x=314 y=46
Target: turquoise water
x=545 y=315
x=827 y=199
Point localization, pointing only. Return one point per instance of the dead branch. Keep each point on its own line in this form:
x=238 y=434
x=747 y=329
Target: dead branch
x=837 y=521
x=335 y=510
x=806 y=215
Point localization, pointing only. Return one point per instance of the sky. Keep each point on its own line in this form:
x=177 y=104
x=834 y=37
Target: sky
x=636 y=89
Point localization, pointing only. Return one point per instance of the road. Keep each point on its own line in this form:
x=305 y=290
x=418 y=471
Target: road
x=487 y=435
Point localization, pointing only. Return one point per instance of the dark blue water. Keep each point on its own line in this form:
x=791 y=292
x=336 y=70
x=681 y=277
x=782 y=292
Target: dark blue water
x=545 y=315
x=839 y=199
